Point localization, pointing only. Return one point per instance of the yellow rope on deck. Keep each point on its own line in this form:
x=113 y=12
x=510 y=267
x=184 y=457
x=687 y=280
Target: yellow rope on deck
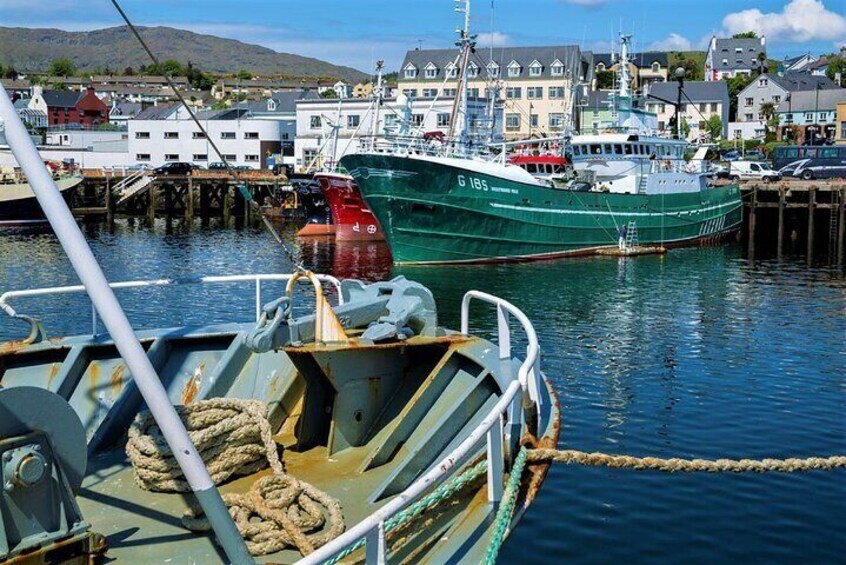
x=678 y=465
x=234 y=438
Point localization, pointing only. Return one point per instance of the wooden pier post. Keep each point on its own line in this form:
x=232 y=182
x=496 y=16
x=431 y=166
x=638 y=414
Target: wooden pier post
x=812 y=196
x=753 y=205
x=782 y=196
x=841 y=227
x=151 y=205
x=189 y=201
x=227 y=205
x=110 y=205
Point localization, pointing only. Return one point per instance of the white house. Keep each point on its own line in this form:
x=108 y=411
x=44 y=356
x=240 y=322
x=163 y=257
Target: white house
x=353 y=118
x=162 y=134
x=342 y=89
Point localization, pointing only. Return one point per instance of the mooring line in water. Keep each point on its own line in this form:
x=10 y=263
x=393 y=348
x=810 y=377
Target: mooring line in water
x=669 y=465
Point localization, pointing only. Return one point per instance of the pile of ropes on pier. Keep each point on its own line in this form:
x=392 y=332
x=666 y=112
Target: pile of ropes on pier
x=234 y=439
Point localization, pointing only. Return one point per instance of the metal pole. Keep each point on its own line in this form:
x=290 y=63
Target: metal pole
x=115 y=321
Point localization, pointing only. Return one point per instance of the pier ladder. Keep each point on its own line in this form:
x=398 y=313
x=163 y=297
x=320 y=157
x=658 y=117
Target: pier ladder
x=631 y=236
x=834 y=221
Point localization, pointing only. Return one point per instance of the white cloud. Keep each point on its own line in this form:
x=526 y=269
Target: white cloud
x=799 y=21
x=495 y=39
x=673 y=42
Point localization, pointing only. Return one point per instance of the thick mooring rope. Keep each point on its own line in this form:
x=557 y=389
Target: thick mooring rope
x=234 y=438
x=670 y=465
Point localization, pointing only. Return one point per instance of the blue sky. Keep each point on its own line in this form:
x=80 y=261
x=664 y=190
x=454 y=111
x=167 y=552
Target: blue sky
x=357 y=32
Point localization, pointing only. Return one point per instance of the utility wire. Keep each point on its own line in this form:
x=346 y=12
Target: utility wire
x=245 y=193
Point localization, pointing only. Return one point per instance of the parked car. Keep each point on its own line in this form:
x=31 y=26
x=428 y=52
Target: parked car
x=731 y=155
x=754 y=155
x=217 y=166
x=753 y=170
x=175 y=168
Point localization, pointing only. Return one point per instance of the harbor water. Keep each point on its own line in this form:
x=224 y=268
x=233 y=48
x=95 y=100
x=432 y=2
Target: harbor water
x=701 y=353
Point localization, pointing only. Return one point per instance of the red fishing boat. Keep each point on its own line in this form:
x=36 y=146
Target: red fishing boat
x=351 y=216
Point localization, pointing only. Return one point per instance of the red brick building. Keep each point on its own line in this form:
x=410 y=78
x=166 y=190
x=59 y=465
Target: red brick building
x=65 y=107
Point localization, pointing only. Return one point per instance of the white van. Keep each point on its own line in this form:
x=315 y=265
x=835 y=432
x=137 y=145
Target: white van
x=752 y=170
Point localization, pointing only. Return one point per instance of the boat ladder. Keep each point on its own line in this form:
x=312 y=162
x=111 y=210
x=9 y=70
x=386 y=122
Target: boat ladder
x=834 y=221
x=631 y=236
x=641 y=183
x=133 y=185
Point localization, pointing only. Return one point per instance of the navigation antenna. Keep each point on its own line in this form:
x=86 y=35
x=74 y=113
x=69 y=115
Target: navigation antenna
x=242 y=188
x=377 y=103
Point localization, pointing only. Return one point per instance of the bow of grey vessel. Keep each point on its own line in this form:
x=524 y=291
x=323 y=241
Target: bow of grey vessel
x=369 y=400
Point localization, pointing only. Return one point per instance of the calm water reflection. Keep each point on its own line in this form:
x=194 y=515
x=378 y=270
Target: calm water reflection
x=698 y=354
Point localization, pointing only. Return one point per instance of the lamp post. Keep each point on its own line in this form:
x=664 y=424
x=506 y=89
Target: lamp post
x=790 y=116
x=816 y=114
x=679 y=76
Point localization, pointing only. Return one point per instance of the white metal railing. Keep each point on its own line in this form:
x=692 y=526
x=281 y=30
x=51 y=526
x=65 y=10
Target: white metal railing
x=257 y=279
x=372 y=528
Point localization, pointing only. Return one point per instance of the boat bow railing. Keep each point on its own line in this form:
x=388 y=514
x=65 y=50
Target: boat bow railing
x=520 y=391
x=256 y=279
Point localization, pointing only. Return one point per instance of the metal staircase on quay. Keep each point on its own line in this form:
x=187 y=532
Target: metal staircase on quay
x=133 y=185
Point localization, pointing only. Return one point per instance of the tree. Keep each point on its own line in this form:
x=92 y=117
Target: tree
x=685 y=128
x=329 y=93
x=11 y=73
x=837 y=65
x=692 y=71
x=128 y=71
x=768 y=110
x=63 y=67
x=604 y=80
x=714 y=127
x=171 y=68
x=244 y=74
x=745 y=35
x=735 y=85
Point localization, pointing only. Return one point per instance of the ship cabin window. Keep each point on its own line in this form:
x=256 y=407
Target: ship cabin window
x=628 y=149
x=577 y=150
x=596 y=149
x=618 y=149
x=531 y=168
x=607 y=149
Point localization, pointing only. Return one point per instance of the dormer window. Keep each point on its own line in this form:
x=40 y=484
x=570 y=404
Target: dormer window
x=451 y=70
x=656 y=67
x=535 y=69
x=472 y=70
x=514 y=69
x=738 y=49
x=271 y=105
x=493 y=70
x=410 y=71
x=557 y=68
x=600 y=66
x=430 y=71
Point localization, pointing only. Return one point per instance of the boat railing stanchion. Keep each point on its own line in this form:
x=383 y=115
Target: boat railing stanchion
x=114 y=319
x=375 y=547
x=496 y=461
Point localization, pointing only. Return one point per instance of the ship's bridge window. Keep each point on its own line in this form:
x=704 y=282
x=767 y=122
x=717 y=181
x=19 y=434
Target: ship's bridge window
x=531 y=168
x=607 y=148
x=618 y=149
x=628 y=149
x=595 y=149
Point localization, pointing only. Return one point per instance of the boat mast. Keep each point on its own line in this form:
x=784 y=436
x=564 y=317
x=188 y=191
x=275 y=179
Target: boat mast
x=134 y=356
x=465 y=42
x=377 y=102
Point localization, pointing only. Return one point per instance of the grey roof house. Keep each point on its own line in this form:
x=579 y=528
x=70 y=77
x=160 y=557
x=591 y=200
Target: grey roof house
x=726 y=58
x=775 y=89
x=701 y=99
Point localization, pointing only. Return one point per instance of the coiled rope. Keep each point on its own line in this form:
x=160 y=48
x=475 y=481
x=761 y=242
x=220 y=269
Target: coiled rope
x=670 y=465
x=234 y=438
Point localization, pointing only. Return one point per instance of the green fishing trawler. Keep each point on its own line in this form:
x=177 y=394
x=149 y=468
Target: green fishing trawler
x=629 y=187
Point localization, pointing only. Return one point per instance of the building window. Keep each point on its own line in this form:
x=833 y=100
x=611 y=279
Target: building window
x=142 y=156
x=142 y=135
x=309 y=155
x=748 y=117
x=315 y=122
x=431 y=71
x=227 y=135
x=512 y=122
x=557 y=69
x=738 y=50
x=198 y=135
x=534 y=92
x=513 y=93
x=514 y=69
x=172 y=157
x=725 y=61
x=450 y=92
x=251 y=158
x=702 y=107
x=473 y=93
x=533 y=120
x=391 y=120
x=749 y=101
x=353 y=120
x=556 y=121
x=535 y=69
x=493 y=70
x=201 y=157
x=713 y=106
x=229 y=157
x=763 y=82
x=656 y=67
x=417 y=119
x=842 y=130
x=410 y=92
x=171 y=135
x=556 y=92
x=251 y=135
x=451 y=71
x=430 y=92
x=776 y=99
x=410 y=72
x=443 y=120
